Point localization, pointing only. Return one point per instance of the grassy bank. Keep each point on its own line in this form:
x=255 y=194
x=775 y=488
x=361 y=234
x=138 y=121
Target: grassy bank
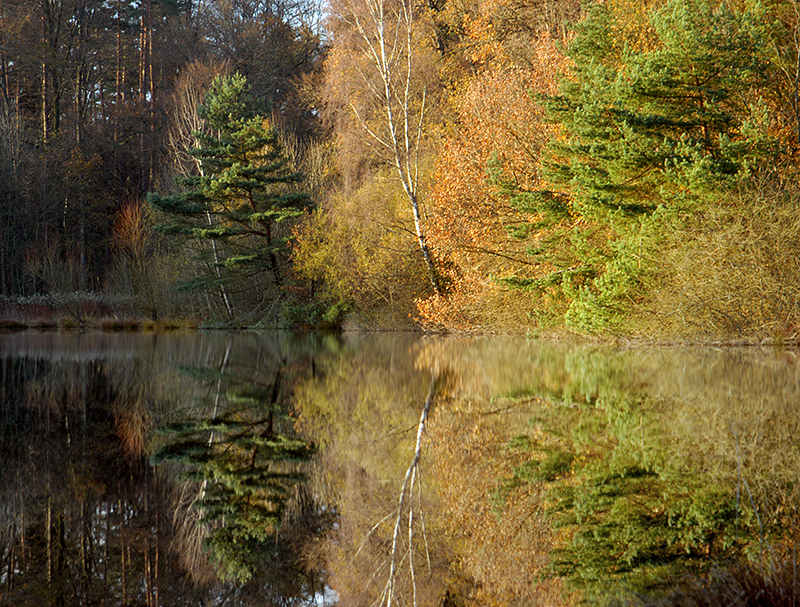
x=82 y=310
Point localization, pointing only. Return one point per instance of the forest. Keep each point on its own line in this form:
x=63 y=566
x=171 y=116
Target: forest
x=531 y=166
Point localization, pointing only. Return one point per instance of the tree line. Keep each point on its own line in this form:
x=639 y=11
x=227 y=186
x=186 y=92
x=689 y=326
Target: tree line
x=90 y=91
x=500 y=164
x=613 y=167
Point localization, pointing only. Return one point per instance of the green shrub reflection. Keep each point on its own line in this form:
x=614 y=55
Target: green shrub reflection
x=657 y=469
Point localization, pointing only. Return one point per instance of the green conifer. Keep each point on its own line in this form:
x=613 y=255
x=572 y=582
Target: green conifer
x=246 y=186
x=651 y=129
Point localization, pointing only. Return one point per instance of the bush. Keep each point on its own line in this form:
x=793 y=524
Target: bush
x=732 y=271
x=360 y=250
x=773 y=584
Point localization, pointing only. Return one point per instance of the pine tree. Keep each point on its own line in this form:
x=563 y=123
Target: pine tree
x=652 y=125
x=247 y=473
x=245 y=189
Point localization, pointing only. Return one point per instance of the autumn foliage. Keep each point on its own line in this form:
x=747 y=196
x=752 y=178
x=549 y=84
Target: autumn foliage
x=475 y=165
x=496 y=139
x=568 y=187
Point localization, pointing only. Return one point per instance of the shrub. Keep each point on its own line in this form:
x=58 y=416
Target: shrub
x=732 y=271
x=773 y=584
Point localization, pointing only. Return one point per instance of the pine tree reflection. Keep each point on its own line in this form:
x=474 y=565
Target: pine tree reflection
x=239 y=470
x=86 y=520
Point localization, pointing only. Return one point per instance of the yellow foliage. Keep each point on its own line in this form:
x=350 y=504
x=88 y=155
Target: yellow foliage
x=632 y=24
x=362 y=248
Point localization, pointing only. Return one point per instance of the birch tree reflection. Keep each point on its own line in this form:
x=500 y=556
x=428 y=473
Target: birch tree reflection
x=406 y=510
x=371 y=410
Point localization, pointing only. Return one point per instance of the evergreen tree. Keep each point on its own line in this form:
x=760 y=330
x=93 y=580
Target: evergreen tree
x=245 y=189
x=651 y=126
x=246 y=471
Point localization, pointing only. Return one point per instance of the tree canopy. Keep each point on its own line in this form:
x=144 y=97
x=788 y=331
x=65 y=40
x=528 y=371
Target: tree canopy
x=499 y=165
x=653 y=126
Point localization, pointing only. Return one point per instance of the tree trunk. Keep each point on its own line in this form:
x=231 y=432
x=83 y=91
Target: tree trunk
x=423 y=245
x=44 y=108
x=120 y=78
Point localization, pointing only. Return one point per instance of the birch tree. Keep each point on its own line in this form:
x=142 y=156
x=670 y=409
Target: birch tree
x=380 y=65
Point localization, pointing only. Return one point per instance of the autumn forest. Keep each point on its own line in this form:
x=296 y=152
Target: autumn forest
x=535 y=166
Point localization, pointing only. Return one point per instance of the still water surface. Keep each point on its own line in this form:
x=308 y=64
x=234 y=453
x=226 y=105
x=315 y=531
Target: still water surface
x=272 y=469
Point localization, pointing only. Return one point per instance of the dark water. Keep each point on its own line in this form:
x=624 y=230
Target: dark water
x=271 y=469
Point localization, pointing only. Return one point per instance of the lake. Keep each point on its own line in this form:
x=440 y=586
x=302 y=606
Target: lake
x=272 y=469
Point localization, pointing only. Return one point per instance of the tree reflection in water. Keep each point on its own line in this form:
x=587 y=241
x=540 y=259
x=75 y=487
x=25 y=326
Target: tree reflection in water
x=237 y=451
x=607 y=469
x=85 y=518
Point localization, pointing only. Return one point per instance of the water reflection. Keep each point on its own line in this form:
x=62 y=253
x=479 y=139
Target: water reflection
x=636 y=466
x=269 y=469
x=81 y=518
x=87 y=519
x=240 y=468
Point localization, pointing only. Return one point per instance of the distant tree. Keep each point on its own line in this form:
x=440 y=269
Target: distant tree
x=272 y=44
x=245 y=189
x=183 y=112
x=80 y=103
